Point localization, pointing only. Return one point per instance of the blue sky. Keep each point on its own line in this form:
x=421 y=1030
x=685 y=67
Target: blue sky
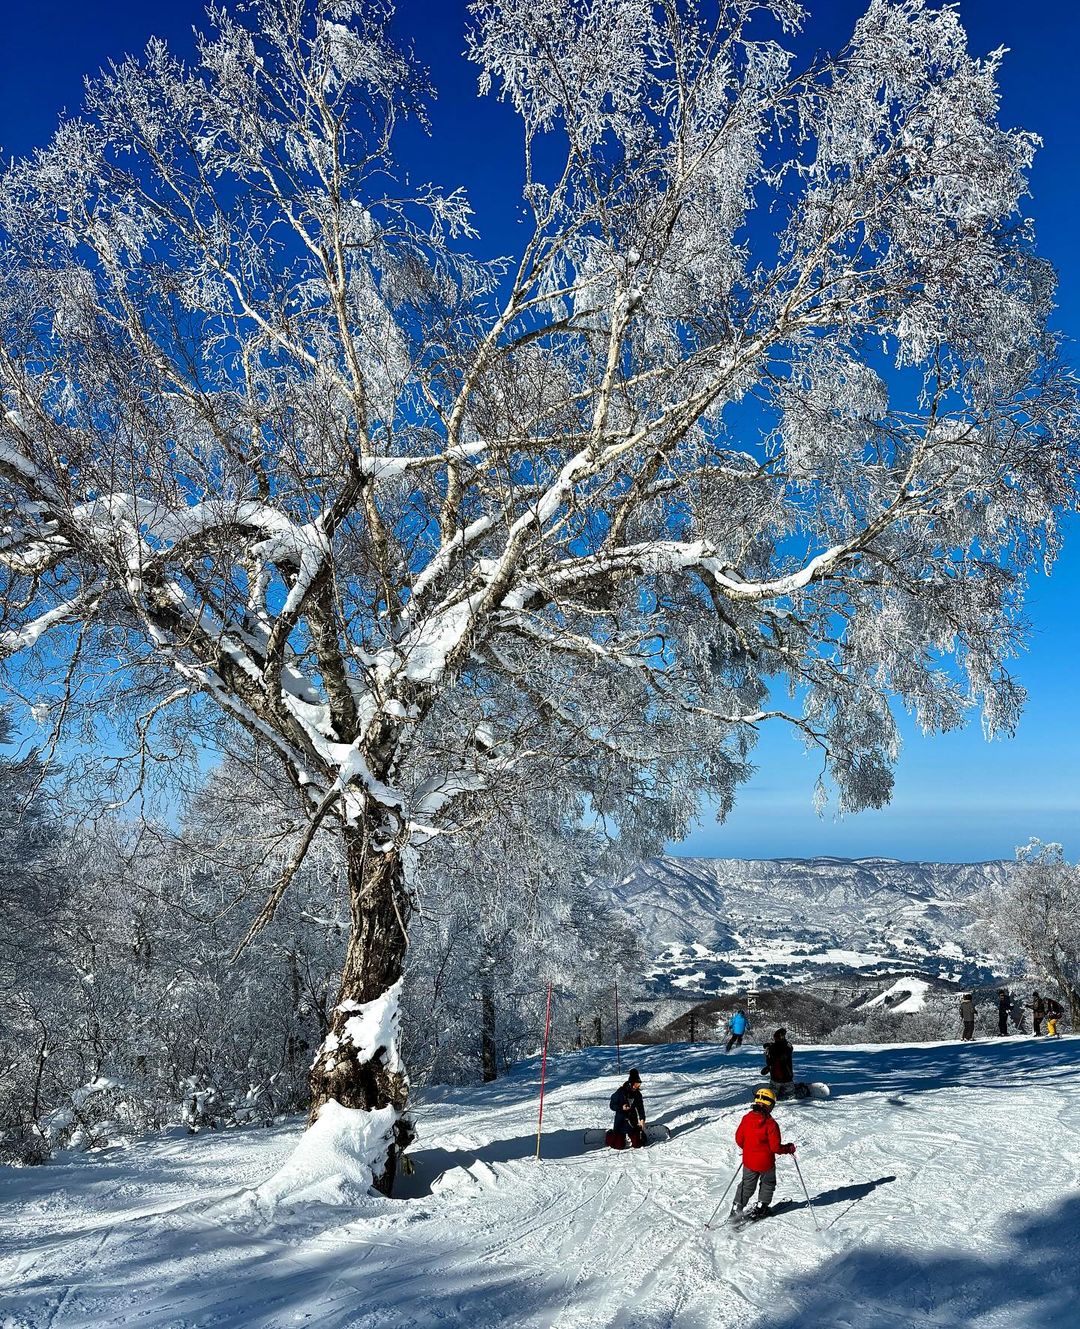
x=957 y=797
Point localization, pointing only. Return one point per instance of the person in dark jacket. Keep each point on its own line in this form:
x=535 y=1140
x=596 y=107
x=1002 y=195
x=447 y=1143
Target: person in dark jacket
x=1038 y=1012
x=778 y=1064
x=1054 y=1012
x=758 y=1136
x=629 y=1108
x=1004 y=1002
x=737 y=1026
x=967 y=1016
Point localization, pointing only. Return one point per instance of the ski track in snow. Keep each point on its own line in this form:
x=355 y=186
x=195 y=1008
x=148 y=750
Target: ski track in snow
x=946 y=1180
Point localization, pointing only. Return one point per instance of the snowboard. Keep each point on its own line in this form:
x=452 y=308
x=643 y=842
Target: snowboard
x=804 y=1090
x=653 y=1135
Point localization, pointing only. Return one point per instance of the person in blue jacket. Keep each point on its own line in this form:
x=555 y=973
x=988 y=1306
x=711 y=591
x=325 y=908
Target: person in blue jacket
x=629 y=1109
x=737 y=1026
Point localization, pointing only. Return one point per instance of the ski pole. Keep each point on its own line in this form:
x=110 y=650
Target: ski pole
x=723 y=1197
x=809 y=1203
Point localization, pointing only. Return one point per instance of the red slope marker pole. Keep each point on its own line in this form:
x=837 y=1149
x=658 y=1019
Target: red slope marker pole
x=543 y=1070
x=618 y=1045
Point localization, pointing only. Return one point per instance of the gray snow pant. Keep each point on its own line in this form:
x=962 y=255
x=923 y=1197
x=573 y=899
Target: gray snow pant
x=749 y=1184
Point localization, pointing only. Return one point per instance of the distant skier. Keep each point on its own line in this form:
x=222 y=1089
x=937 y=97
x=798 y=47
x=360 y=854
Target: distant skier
x=967 y=1016
x=758 y=1136
x=1038 y=1013
x=629 y=1109
x=736 y=1026
x=778 y=1064
x=1054 y=1012
x=1003 y=1002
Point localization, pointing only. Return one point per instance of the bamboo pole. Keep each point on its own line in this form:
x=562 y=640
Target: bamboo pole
x=543 y=1070
x=618 y=1044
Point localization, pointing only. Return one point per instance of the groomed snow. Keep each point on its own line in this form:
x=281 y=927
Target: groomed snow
x=946 y=1178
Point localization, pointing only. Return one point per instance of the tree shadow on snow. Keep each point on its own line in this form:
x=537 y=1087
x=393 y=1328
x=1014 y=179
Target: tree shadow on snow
x=356 y=1273
x=680 y=1125
x=1030 y=1284
x=431 y=1166
x=902 y=1071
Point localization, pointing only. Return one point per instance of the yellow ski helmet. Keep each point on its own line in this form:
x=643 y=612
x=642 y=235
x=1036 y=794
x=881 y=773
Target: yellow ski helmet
x=765 y=1098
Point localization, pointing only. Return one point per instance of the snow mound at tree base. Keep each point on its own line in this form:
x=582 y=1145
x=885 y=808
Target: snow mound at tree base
x=334 y=1162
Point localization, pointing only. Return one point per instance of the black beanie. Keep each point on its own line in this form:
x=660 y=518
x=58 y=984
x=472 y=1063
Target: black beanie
x=633 y=1077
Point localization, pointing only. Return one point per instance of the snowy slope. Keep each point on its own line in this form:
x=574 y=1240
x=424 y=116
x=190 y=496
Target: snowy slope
x=712 y=925
x=946 y=1179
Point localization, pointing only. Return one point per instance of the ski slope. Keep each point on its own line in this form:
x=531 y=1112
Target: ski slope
x=946 y=1178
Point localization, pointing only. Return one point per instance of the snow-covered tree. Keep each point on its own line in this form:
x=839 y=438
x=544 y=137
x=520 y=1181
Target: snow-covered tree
x=766 y=397
x=1034 y=918
x=31 y=884
x=33 y=887
x=507 y=907
x=119 y=1008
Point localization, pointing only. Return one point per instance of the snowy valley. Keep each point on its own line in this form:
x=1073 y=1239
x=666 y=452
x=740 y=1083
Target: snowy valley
x=716 y=926
x=945 y=1183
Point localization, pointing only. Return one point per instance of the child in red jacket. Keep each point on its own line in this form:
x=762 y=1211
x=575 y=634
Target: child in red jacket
x=759 y=1138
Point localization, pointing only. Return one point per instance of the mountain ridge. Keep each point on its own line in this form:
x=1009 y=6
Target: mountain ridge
x=714 y=926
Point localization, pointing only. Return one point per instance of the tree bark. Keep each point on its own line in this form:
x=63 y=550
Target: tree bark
x=374 y=961
x=488 y=1058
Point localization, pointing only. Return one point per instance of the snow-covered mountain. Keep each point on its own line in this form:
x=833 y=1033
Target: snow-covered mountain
x=716 y=925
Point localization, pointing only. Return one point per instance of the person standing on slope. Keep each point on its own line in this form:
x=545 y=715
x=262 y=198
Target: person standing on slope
x=629 y=1108
x=778 y=1064
x=1054 y=1012
x=758 y=1136
x=967 y=1015
x=736 y=1026
x=1004 y=1002
x=1038 y=1012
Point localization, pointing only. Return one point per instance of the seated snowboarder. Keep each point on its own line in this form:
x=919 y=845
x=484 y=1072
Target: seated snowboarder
x=736 y=1027
x=1054 y=1012
x=778 y=1066
x=758 y=1136
x=629 y=1108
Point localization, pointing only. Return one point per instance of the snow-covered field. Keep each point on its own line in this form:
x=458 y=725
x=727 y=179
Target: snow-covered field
x=946 y=1178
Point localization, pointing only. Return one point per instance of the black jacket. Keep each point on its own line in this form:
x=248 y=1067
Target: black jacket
x=629 y=1108
x=778 y=1061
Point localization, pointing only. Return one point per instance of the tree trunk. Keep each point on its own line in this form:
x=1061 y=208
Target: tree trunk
x=374 y=961
x=488 y=1056
x=1068 y=990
